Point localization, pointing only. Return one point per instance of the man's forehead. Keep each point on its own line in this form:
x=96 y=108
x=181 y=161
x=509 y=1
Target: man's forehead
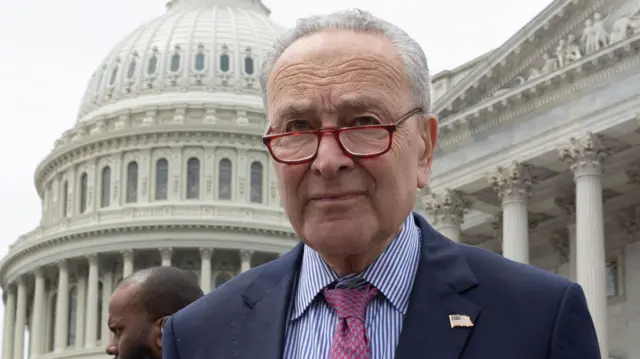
x=330 y=44
x=123 y=297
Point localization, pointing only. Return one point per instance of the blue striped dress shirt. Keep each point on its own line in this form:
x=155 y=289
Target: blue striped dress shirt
x=309 y=332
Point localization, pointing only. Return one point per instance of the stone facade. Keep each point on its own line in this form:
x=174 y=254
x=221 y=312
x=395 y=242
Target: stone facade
x=540 y=143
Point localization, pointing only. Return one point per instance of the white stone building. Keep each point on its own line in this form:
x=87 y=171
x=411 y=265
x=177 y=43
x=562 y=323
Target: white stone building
x=538 y=159
x=165 y=165
x=539 y=156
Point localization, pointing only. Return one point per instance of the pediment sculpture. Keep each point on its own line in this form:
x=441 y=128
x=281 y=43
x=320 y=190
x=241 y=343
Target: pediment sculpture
x=594 y=38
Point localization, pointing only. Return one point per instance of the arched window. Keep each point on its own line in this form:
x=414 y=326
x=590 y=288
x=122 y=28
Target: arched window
x=175 y=63
x=73 y=312
x=132 y=182
x=153 y=65
x=105 y=190
x=114 y=75
x=193 y=178
x=162 y=179
x=84 y=183
x=248 y=66
x=199 y=62
x=132 y=69
x=65 y=194
x=224 y=63
x=256 y=182
x=224 y=179
x=222 y=278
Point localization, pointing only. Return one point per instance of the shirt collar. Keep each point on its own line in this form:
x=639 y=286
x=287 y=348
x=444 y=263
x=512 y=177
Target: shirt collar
x=392 y=273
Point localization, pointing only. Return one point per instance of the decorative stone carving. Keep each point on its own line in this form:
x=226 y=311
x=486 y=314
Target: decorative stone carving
x=561 y=54
x=586 y=154
x=572 y=49
x=449 y=207
x=594 y=35
x=514 y=180
x=550 y=64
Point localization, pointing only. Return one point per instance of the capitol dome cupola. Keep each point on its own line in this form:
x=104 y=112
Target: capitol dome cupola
x=199 y=51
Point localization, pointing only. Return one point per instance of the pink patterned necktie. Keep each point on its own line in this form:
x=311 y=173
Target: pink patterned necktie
x=350 y=338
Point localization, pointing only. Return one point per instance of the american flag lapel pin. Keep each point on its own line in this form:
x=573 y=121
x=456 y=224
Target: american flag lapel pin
x=459 y=320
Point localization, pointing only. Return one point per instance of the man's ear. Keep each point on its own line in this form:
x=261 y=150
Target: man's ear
x=429 y=134
x=157 y=332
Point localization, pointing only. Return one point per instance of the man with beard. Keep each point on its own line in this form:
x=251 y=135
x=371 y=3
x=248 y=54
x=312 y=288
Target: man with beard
x=140 y=305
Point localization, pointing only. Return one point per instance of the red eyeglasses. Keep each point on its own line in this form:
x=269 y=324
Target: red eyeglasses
x=356 y=142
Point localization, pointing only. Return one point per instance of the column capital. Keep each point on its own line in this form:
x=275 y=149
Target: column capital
x=448 y=207
x=127 y=253
x=206 y=253
x=63 y=264
x=246 y=255
x=630 y=222
x=165 y=253
x=585 y=155
x=560 y=242
x=92 y=258
x=37 y=272
x=512 y=182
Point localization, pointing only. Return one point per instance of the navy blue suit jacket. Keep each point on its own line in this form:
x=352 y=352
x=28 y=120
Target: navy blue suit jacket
x=518 y=311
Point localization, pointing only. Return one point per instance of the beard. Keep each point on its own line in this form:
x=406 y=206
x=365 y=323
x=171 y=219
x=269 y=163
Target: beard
x=139 y=351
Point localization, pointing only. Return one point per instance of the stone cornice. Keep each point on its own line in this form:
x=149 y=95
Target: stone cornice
x=195 y=235
x=544 y=189
x=544 y=91
x=498 y=58
x=142 y=138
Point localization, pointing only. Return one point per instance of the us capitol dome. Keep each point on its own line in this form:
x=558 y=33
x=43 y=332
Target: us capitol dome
x=164 y=166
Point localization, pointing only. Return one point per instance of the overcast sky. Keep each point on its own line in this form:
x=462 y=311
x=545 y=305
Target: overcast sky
x=49 y=49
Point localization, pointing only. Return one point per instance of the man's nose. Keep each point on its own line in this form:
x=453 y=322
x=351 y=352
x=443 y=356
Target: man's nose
x=112 y=348
x=330 y=160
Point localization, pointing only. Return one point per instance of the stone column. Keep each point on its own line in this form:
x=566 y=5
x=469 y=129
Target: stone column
x=127 y=260
x=36 y=332
x=21 y=318
x=512 y=184
x=9 y=321
x=62 y=308
x=165 y=257
x=585 y=157
x=245 y=260
x=107 y=290
x=81 y=308
x=205 y=269
x=92 y=303
x=446 y=211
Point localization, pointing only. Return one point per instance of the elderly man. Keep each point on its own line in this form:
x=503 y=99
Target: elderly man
x=348 y=100
x=140 y=305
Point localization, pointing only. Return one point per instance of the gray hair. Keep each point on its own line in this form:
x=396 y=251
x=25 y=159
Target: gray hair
x=414 y=59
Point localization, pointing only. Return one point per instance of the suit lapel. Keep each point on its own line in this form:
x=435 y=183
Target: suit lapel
x=260 y=331
x=442 y=277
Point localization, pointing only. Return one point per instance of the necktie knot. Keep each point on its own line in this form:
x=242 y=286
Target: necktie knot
x=350 y=302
